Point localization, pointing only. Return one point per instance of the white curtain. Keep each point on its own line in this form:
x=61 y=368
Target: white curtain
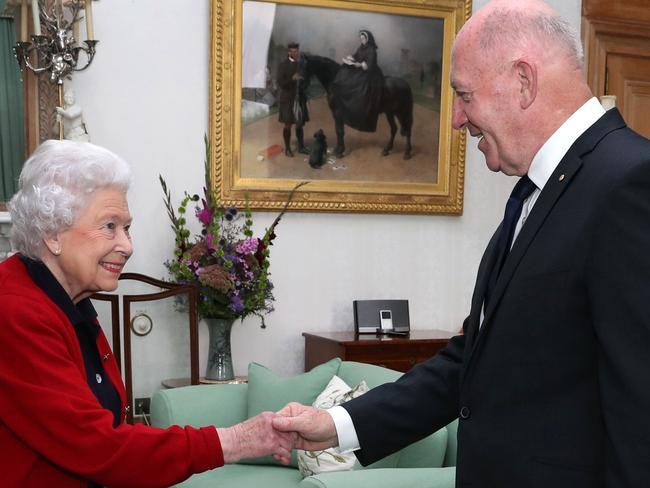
x=257 y=29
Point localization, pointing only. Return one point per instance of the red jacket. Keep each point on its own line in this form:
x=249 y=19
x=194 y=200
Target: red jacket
x=53 y=431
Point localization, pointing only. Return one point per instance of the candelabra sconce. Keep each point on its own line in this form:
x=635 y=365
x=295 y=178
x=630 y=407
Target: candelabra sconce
x=54 y=47
x=53 y=58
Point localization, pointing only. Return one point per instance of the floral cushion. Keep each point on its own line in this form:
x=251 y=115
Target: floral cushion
x=314 y=462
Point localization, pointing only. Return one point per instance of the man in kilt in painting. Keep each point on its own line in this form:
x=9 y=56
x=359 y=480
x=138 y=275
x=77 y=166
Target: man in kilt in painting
x=292 y=99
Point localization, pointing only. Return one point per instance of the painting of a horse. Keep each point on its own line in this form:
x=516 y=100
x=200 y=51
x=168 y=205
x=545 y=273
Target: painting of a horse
x=396 y=102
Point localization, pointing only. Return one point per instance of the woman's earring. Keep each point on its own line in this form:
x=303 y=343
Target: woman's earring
x=57 y=251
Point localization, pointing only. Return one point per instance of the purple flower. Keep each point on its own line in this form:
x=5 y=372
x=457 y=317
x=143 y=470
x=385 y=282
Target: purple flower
x=209 y=240
x=248 y=246
x=236 y=303
x=235 y=260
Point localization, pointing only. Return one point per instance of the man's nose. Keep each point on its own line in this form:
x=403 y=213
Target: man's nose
x=458 y=116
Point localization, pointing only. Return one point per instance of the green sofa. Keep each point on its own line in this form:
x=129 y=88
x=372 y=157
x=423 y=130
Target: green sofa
x=428 y=463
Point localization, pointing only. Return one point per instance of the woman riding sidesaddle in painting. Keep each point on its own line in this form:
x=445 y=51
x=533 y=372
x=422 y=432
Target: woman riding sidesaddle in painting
x=358 y=85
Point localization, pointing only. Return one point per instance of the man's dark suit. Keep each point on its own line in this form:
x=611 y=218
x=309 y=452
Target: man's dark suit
x=553 y=391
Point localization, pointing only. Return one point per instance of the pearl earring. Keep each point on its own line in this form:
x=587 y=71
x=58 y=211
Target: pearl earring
x=56 y=252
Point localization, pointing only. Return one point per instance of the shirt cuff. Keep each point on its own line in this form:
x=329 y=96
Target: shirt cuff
x=345 y=431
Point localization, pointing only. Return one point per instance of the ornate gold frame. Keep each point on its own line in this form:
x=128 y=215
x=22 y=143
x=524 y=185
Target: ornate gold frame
x=445 y=196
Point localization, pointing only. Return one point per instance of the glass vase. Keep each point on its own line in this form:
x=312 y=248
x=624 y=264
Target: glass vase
x=219 y=366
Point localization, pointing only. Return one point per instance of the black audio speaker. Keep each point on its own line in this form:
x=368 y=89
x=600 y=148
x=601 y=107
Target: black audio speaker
x=381 y=316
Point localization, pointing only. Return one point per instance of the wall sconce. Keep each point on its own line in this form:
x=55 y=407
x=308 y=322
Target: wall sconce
x=55 y=47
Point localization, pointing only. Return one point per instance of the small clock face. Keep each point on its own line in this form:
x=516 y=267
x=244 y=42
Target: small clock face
x=141 y=324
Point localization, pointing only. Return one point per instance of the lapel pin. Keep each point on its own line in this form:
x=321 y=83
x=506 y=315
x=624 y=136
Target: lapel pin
x=561 y=178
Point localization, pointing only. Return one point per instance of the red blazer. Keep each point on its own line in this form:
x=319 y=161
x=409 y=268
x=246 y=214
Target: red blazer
x=53 y=431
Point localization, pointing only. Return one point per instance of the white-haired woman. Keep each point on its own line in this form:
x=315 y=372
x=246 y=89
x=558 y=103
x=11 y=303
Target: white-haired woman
x=62 y=401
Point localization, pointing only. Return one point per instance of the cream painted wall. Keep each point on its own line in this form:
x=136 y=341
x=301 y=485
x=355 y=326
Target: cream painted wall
x=146 y=98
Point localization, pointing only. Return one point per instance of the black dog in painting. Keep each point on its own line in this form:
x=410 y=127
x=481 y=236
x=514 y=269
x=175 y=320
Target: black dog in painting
x=318 y=151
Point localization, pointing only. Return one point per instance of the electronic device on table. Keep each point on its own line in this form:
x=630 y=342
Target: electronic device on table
x=381 y=317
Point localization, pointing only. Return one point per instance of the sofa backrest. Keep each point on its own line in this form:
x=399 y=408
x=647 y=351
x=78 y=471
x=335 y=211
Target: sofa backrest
x=353 y=373
x=225 y=405
x=428 y=452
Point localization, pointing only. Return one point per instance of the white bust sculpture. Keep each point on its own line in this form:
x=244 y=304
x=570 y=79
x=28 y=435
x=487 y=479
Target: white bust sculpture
x=71 y=117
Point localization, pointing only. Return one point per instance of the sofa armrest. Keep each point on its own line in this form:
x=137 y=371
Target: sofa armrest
x=384 y=478
x=200 y=405
x=452 y=444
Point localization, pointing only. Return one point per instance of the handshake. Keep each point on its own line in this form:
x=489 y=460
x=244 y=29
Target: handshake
x=296 y=426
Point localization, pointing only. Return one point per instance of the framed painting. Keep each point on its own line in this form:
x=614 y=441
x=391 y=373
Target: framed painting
x=351 y=96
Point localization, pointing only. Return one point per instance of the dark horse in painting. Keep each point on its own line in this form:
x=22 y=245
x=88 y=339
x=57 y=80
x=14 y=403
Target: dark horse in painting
x=396 y=102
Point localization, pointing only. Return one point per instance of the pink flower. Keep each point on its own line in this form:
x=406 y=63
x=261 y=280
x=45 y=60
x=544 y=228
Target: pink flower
x=205 y=214
x=248 y=246
x=197 y=251
x=215 y=276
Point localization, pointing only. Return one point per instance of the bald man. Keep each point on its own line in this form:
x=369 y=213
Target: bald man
x=551 y=379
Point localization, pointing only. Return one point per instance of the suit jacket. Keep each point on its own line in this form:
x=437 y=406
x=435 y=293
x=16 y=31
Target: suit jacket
x=554 y=388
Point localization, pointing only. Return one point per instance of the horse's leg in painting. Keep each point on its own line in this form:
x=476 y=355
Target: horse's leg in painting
x=393 y=130
x=407 y=151
x=406 y=124
x=339 y=150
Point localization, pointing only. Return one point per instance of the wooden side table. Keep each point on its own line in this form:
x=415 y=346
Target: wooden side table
x=394 y=352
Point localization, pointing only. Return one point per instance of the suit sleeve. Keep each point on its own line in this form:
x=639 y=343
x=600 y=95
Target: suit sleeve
x=47 y=404
x=394 y=415
x=618 y=278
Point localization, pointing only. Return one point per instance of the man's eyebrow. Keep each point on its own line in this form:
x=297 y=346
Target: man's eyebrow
x=456 y=85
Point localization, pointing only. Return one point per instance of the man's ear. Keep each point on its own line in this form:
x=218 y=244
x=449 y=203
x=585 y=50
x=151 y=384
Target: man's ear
x=527 y=77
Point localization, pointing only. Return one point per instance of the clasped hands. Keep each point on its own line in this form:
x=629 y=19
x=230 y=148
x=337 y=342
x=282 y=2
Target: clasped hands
x=295 y=426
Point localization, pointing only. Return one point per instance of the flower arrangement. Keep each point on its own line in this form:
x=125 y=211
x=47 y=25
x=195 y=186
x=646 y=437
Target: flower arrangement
x=226 y=262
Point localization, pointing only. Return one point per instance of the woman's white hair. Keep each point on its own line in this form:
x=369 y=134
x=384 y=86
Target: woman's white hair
x=56 y=183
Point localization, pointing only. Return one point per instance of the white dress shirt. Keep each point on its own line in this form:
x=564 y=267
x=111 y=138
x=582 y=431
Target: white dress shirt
x=540 y=170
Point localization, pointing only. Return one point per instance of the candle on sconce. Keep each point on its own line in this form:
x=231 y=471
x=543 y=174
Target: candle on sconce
x=36 y=16
x=89 y=20
x=23 y=21
x=75 y=32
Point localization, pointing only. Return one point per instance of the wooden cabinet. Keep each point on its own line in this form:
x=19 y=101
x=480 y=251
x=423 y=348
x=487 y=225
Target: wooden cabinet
x=616 y=37
x=394 y=352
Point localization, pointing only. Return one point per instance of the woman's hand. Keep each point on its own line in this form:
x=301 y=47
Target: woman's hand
x=255 y=437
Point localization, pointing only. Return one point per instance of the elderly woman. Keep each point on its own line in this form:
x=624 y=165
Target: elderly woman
x=63 y=402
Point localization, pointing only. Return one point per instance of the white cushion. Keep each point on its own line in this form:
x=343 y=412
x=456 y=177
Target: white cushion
x=310 y=463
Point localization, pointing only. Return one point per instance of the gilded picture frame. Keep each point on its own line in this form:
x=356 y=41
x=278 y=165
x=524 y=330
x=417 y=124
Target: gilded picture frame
x=248 y=158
